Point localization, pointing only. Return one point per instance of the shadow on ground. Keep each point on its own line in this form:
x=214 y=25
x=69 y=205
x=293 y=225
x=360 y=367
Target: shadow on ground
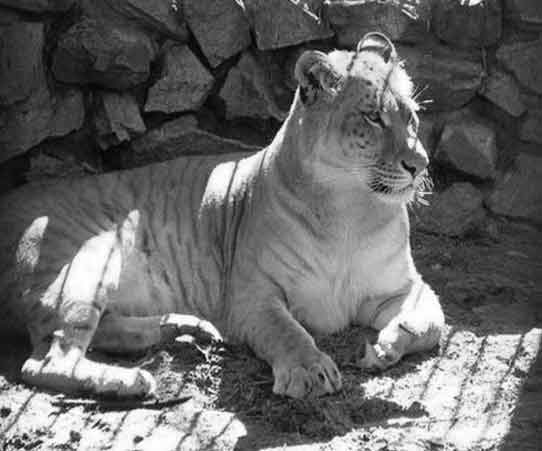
x=479 y=390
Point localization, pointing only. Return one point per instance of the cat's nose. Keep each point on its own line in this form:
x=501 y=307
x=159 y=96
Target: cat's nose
x=414 y=161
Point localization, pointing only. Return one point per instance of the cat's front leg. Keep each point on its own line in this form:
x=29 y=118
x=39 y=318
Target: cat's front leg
x=410 y=323
x=300 y=369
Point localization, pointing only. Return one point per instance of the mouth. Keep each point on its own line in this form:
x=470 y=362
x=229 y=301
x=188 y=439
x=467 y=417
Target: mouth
x=383 y=188
x=390 y=194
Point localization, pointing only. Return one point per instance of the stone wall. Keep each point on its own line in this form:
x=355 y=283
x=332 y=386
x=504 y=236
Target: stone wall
x=93 y=85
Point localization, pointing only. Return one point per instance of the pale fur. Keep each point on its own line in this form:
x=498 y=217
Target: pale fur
x=266 y=247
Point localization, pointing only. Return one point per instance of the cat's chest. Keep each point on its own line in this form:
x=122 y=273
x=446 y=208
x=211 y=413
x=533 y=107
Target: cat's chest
x=328 y=297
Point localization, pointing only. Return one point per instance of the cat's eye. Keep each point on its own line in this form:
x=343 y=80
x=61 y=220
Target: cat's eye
x=375 y=118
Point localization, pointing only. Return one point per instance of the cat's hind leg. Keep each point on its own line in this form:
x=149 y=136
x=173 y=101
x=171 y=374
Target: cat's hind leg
x=63 y=321
x=123 y=334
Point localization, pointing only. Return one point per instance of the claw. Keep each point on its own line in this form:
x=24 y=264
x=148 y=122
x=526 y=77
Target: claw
x=307 y=379
x=378 y=357
x=179 y=325
x=371 y=359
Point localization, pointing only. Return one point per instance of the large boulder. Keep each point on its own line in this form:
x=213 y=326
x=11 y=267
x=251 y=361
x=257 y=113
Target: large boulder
x=279 y=23
x=454 y=212
x=531 y=127
x=101 y=53
x=518 y=193
x=117 y=119
x=449 y=78
x=42 y=115
x=525 y=13
x=72 y=154
x=468 y=24
x=351 y=19
x=524 y=60
x=220 y=27
x=184 y=83
x=427 y=132
x=501 y=89
x=22 y=70
x=181 y=136
x=39 y=6
x=159 y=15
x=248 y=92
x=468 y=144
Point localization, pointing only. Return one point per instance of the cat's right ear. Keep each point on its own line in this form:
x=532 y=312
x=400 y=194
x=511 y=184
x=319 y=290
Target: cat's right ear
x=317 y=78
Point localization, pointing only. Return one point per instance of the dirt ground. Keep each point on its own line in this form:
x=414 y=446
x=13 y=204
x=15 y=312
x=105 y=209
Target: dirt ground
x=481 y=390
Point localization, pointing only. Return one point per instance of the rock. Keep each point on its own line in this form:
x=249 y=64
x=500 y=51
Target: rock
x=117 y=119
x=159 y=15
x=469 y=145
x=502 y=90
x=12 y=175
x=178 y=137
x=427 y=132
x=352 y=19
x=526 y=13
x=531 y=127
x=110 y=56
x=43 y=115
x=454 y=212
x=44 y=167
x=220 y=27
x=21 y=62
x=247 y=92
x=468 y=24
x=524 y=61
x=279 y=23
x=39 y=6
x=518 y=193
x=76 y=150
x=183 y=85
x=452 y=77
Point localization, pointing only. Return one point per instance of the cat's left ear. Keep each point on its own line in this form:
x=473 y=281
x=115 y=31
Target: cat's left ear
x=378 y=43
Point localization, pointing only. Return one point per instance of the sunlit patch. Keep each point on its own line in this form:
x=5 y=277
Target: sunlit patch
x=28 y=249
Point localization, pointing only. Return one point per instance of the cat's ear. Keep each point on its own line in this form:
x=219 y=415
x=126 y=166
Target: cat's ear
x=317 y=78
x=378 y=43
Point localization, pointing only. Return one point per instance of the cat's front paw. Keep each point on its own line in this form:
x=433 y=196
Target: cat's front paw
x=378 y=357
x=311 y=373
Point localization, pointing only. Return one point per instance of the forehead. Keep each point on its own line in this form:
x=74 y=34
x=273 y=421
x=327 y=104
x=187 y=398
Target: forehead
x=367 y=73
